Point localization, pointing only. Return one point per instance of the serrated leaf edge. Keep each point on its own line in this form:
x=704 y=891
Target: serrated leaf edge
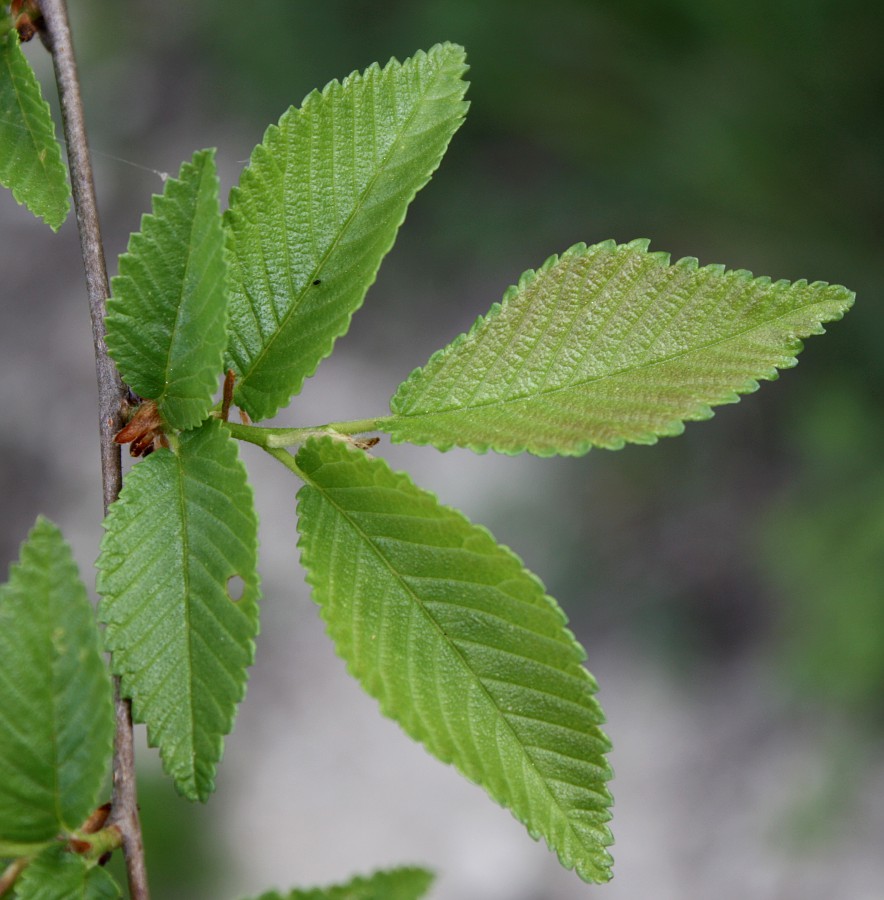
x=53 y=150
x=676 y=426
x=359 y=881
x=116 y=307
x=45 y=529
x=125 y=674
x=271 y=132
x=318 y=586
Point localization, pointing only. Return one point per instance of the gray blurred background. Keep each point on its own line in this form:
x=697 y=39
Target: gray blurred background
x=727 y=584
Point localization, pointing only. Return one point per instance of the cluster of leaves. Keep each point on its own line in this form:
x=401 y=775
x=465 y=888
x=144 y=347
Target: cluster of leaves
x=445 y=627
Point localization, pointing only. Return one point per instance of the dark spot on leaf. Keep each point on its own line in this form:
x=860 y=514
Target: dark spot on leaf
x=318 y=281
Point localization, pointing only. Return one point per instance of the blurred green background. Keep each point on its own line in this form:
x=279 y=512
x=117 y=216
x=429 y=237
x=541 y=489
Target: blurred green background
x=750 y=135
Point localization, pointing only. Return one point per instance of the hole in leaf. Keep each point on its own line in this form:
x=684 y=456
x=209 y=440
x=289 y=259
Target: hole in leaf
x=236 y=587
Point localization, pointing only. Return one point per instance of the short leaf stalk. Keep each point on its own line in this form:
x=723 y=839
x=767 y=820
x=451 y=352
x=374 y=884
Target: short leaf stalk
x=274 y=438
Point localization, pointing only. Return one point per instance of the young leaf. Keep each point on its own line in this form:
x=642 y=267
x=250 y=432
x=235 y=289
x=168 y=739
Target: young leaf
x=56 y=711
x=57 y=874
x=606 y=345
x=30 y=156
x=183 y=527
x=397 y=884
x=460 y=644
x=167 y=318
x=319 y=207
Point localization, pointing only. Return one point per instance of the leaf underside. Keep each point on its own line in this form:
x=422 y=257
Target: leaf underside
x=57 y=874
x=30 y=156
x=607 y=345
x=167 y=318
x=460 y=644
x=183 y=526
x=318 y=208
x=56 y=714
x=396 y=884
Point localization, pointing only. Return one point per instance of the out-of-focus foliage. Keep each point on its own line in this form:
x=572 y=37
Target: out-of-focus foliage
x=395 y=884
x=825 y=548
x=186 y=859
x=56 y=874
x=684 y=115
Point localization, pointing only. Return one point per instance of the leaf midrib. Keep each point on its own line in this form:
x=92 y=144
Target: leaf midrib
x=25 y=108
x=357 y=207
x=179 y=306
x=185 y=577
x=45 y=626
x=618 y=373
x=54 y=701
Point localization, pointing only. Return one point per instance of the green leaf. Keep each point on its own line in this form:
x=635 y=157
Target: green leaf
x=167 y=319
x=56 y=709
x=319 y=207
x=184 y=525
x=30 y=156
x=396 y=884
x=606 y=345
x=57 y=874
x=460 y=644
